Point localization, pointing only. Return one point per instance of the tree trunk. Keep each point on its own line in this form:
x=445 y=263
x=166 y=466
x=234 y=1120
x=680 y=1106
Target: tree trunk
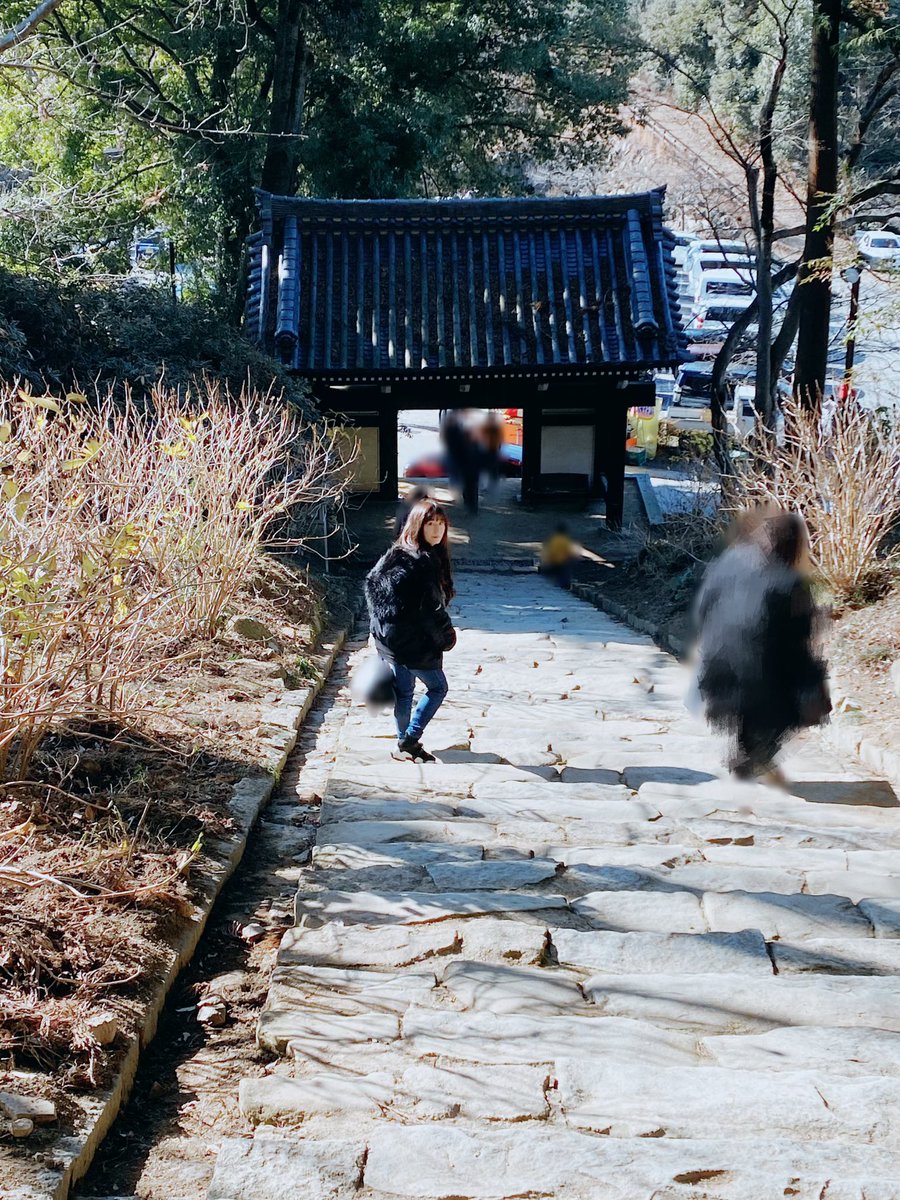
x=765 y=231
x=762 y=217
x=814 y=281
x=279 y=173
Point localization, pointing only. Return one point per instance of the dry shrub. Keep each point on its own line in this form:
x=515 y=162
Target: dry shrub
x=842 y=475
x=122 y=529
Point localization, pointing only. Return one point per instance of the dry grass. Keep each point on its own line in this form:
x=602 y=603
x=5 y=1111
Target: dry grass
x=843 y=477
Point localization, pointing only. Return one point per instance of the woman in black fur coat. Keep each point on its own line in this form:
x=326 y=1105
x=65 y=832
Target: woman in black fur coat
x=408 y=591
x=760 y=673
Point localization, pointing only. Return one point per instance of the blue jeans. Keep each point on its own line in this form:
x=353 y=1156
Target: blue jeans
x=404 y=686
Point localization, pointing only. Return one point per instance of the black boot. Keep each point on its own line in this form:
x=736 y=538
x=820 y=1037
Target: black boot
x=412 y=748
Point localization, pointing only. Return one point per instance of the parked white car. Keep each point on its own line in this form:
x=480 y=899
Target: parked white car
x=882 y=247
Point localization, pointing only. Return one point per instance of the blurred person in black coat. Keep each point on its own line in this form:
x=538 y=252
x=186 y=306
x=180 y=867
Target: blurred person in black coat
x=760 y=671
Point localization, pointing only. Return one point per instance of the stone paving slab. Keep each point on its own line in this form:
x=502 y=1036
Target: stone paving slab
x=500 y=874
x=421 y=1091
x=884 y=916
x=848 y=1051
x=560 y=809
x=482 y=938
x=695 y=878
x=350 y=857
x=531 y=796
x=837 y=956
x=509 y=988
x=741 y=953
x=522 y=1037
x=737 y=1003
x=357 y=808
x=315 y=1035
x=413 y=908
x=642 y=912
x=786 y=916
x=642 y=854
x=641 y=1101
x=745 y=829
x=706 y=798
x=854 y=884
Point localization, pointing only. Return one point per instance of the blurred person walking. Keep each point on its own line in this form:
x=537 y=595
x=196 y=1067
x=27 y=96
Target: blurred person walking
x=760 y=671
x=407 y=592
x=491 y=436
x=557 y=554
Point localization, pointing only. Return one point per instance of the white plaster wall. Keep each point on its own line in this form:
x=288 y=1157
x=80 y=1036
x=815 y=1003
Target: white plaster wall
x=567 y=449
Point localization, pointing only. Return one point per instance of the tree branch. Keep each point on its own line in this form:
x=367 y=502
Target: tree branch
x=15 y=36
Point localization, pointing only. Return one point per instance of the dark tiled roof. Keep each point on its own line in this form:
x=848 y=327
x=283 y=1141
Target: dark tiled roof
x=373 y=289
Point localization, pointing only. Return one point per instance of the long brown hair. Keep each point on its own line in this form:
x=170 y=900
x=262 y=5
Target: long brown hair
x=412 y=539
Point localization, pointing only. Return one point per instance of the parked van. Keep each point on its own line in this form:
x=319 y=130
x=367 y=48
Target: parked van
x=744 y=264
x=712 y=246
x=728 y=286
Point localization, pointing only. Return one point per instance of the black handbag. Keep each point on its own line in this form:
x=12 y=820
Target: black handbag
x=373 y=683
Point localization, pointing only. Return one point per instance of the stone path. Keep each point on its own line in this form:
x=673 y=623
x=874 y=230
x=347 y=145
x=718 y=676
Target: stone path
x=570 y=959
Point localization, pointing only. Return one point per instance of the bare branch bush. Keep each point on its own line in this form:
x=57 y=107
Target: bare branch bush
x=221 y=479
x=122 y=529
x=842 y=475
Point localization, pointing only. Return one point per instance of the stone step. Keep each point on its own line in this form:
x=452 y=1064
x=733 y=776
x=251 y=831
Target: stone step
x=434 y=1162
x=532 y=835
x=558 y=808
x=695 y=878
x=686 y=1102
x=738 y=1004
x=507 y=988
x=850 y=1051
x=414 y=908
x=642 y=912
x=489 y=939
x=413 y=1091
x=298 y=994
x=320 y=1036
x=786 y=917
x=837 y=956
x=485 y=1037
x=497 y=875
x=741 y=953
x=704 y=799
x=744 y=828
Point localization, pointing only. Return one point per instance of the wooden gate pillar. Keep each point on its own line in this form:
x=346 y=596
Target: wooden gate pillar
x=609 y=452
x=531 y=449
x=387 y=451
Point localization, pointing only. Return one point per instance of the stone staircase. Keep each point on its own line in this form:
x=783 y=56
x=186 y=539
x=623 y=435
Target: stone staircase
x=569 y=959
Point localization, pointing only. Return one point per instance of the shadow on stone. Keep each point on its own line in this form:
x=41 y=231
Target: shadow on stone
x=875 y=792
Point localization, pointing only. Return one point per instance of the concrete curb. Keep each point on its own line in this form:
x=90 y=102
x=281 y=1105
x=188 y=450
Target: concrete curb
x=850 y=734
x=652 y=510
x=69 y=1158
